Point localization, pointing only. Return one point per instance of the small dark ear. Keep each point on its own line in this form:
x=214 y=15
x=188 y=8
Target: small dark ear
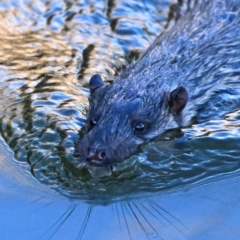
x=95 y=83
x=178 y=99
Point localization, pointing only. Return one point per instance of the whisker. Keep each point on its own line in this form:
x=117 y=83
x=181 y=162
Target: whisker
x=85 y=222
x=151 y=212
x=171 y=215
x=58 y=224
x=144 y=217
x=46 y=205
x=118 y=216
x=136 y=218
x=167 y=219
x=32 y=202
x=126 y=223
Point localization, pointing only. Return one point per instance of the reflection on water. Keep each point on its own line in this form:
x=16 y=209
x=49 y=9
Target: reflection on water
x=49 y=50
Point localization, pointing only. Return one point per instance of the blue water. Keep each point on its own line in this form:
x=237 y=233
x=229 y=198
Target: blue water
x=182 y=189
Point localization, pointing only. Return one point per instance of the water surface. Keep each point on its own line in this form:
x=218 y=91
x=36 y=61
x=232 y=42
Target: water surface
x=49 y=50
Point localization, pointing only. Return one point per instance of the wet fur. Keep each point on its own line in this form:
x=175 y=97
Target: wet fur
x=201 y=52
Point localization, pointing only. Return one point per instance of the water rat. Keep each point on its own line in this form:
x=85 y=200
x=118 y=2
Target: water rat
x=190 y=74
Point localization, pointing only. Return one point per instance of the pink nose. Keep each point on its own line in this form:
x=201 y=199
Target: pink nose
x=99 y=155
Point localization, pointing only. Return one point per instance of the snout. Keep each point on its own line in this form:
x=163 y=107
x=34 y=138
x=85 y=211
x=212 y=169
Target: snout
x=96 y=156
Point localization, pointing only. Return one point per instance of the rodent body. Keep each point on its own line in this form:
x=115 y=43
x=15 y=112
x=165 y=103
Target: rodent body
x=190 y=74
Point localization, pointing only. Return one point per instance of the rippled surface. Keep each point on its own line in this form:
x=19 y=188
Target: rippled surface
x=48 y=53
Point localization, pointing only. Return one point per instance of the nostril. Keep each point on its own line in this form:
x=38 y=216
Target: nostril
x=90 y=154
x=102 y=155
x=98 y=155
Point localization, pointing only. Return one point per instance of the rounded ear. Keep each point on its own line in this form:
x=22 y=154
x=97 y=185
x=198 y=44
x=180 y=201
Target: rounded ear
x=95 y=83
x=178 y=99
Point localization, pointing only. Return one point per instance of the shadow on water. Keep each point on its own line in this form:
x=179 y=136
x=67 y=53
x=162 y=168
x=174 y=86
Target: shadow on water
x=49 y=50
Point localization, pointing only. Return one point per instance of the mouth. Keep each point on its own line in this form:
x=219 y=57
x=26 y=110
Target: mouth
x=95 y=162
x=102 y=166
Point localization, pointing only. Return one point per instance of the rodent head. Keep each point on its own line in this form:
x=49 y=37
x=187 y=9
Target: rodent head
x=121 y=119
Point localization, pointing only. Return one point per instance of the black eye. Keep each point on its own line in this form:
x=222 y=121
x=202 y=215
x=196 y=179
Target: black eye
x=139 y=127
x=93 y=122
